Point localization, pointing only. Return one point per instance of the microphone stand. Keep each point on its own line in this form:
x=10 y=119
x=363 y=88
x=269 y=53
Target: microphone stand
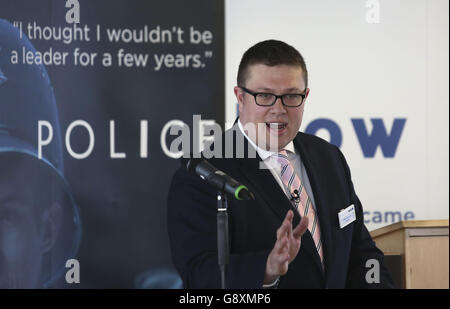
x=223 y=250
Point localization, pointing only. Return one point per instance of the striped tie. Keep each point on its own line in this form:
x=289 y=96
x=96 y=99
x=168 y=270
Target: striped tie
x=303 y=204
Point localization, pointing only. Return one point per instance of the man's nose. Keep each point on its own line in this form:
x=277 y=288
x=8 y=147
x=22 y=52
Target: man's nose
x=278 y=107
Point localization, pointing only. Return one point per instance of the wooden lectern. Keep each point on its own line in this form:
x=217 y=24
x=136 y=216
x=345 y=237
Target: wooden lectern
x=422 y=248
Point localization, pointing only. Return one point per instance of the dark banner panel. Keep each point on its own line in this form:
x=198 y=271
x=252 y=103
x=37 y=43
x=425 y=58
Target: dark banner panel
x=94 y=97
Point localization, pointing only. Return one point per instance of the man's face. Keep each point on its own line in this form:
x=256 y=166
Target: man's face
x=279 y=124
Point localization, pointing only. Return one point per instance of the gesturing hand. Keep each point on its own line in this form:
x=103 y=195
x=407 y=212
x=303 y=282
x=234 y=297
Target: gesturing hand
x=286 y=247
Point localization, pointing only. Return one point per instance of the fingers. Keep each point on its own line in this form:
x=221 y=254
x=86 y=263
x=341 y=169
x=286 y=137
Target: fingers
x=280 y=256
x=301 y=228
x=289 y=216
x=277 y=265
x=281 y=245
x=284 y=234
x=281 y=251
x=286 y=226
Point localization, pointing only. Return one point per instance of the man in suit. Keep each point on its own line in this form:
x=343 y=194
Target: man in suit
x=291 y=234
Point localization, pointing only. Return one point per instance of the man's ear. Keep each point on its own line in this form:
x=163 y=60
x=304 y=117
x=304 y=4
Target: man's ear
x=51 y=224
x=306 y=96
x=240 y=97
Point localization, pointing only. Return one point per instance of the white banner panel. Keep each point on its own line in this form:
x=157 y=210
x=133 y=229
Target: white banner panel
x=378 y=73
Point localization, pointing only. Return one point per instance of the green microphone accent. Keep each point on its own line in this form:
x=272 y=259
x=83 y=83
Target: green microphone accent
x=236 y=193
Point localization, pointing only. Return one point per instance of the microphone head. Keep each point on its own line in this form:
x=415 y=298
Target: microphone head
x=246 y=195
x=242 y=193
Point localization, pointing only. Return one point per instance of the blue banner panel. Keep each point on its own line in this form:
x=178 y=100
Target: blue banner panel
x=93 y=96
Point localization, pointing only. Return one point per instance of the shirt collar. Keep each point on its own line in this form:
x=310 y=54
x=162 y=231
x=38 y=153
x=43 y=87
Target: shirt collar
x=264 y=154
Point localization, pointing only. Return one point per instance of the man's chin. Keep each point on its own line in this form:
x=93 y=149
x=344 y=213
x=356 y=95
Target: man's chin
x=277 y=143
x=273 y=145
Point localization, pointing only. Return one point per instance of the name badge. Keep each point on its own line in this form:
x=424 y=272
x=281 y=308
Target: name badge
x=347 y=216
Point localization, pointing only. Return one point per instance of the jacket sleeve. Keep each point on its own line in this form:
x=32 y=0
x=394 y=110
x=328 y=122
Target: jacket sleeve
x=365 y=258
x=192 y=226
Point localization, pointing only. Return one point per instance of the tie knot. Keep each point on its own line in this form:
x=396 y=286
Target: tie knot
x=281 y=156
x=284 y=153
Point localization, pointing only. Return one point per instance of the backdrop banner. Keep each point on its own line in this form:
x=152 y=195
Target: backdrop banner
x=93 y=96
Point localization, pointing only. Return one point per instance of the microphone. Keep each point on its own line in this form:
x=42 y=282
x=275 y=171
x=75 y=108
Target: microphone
x=295 y=195
x=217 y=178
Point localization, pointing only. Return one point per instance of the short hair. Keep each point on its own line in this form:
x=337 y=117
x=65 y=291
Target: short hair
x=270 y=53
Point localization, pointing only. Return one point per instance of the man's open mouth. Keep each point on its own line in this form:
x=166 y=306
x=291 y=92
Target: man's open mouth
x=276 y=125
x=276 y=128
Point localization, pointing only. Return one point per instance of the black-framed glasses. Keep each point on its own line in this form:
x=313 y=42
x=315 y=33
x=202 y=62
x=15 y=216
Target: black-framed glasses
x=269 y=99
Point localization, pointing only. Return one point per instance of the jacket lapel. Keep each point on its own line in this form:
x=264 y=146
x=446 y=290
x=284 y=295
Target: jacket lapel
x=324 y=220
x=265 y=186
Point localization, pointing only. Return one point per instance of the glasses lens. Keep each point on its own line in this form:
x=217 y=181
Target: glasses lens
x=292 y=99
x=265 y=98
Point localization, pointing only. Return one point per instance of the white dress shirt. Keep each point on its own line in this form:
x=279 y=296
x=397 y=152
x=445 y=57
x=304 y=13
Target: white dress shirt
x=272 y=165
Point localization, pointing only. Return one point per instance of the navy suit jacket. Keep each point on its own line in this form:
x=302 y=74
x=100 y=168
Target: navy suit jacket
x=252 y=225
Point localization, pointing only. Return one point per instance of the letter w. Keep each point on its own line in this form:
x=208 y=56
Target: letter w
x=379 y=136
x=113 y=35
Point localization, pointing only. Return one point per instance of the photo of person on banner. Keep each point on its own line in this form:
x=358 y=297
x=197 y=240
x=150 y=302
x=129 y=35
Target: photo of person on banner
x=40 y=228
